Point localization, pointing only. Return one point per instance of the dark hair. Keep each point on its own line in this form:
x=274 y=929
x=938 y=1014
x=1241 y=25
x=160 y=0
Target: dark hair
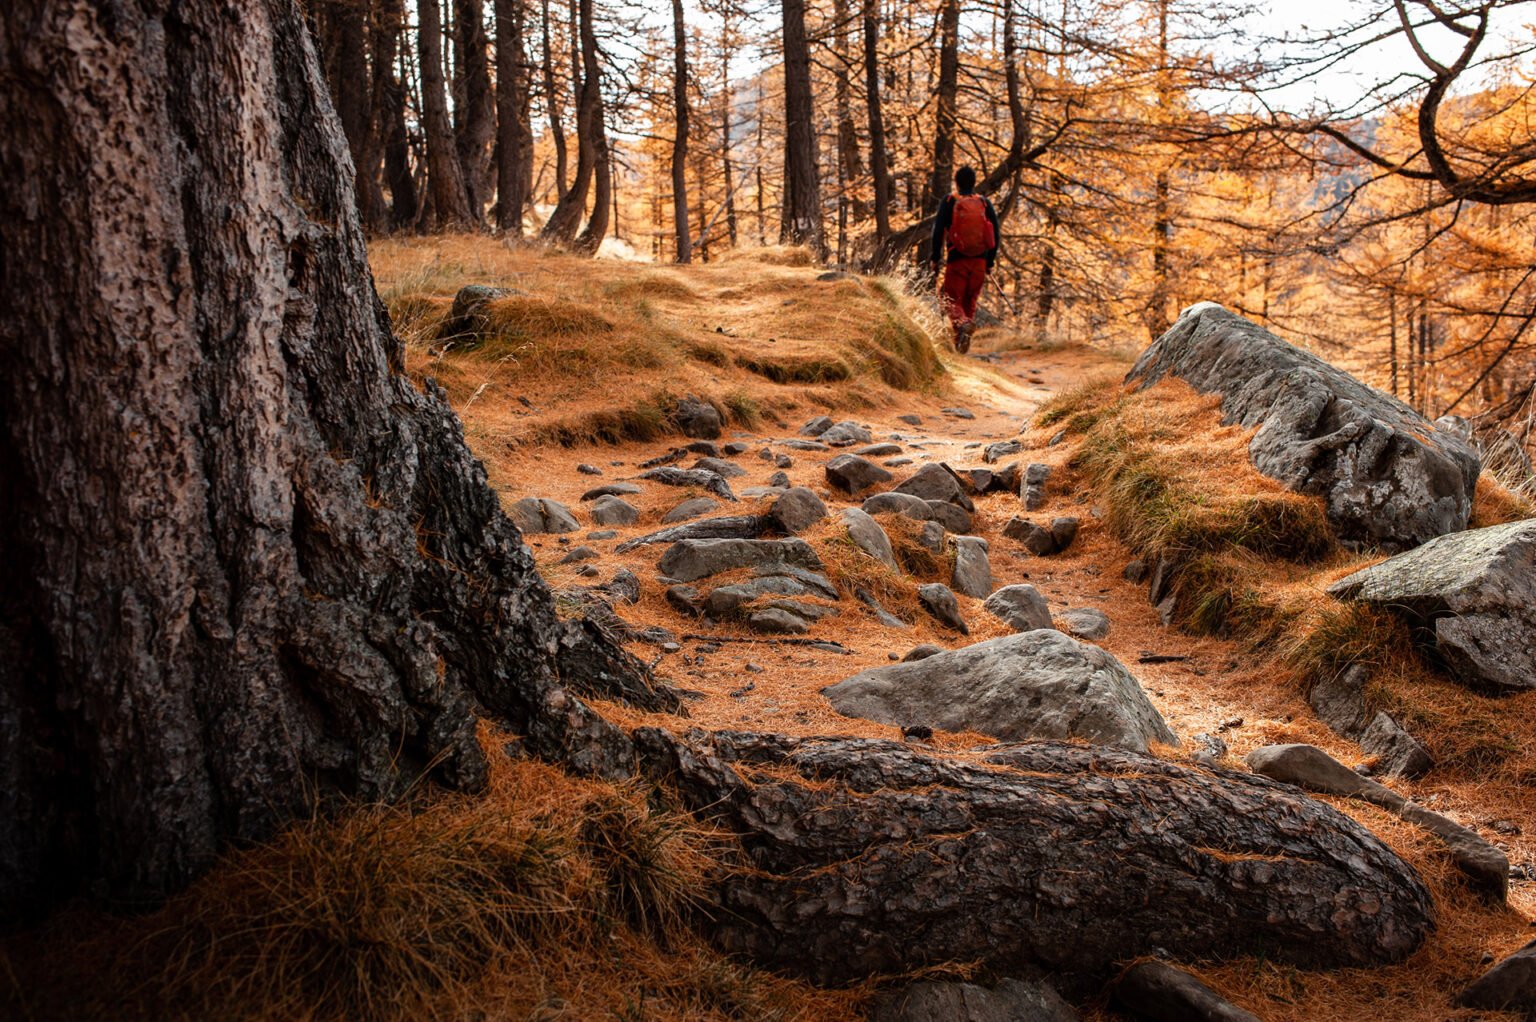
x=965 y=179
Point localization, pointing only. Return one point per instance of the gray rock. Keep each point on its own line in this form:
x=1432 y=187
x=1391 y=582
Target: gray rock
x=614 y=511
x=1036 y=539
x=1397 y=753
x=882 y=615
x=1339 y=701
x=796 y=510
x=955 y=519
x=1038 y=684
x=1508 y=986
x=467 y=321
x=1000 y=450
x=816 y=581
x=1085 y=622
x=624 y=586
x=1475 y=592
x=711 y=482
x=684 y=599
x=781 y=480
x=727 y=601
x=811 y=612
x=1211 y=748
x=804 y=445
x=720 y=467
x=853 y=474
x=697 y=418
x=777 y=621
x=1135 y=571
x=973 y=570
x=898 y=462
x=1389 y=477
x=703 y=447
x=1012 y=1000
x=1007 y=479
x=580 y=553
x=845 y=434
x=755 y=492
x=1155 y=990
x=539 y=514
x=817 y=426
x=1021 y=607
x=589 y=470
x=910 y=420
x=878 y=450
x=958 y=413
x=782 y=461
x=693 y=507
x=722 y=527
x=602 y=534
x=941 y=603
x=611 y=490
x=867 y=535
x=932 y=536
x=922 y=652
x=936 y=482
x=691 y=559
x=1309 y=767
x=736 y=447
x=1063 y=532
x=1034 y=485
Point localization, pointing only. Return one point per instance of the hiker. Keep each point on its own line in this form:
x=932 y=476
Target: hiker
x=967 y=225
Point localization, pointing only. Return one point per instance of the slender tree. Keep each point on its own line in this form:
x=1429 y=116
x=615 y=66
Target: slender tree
x=451 y=201
x=800 y=222
x=680 y=133
x=552 y=103
x=474 y=103
x=514 y=135
x=878 y=167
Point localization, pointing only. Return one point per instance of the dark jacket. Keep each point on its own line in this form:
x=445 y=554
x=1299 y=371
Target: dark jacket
x=941 y=228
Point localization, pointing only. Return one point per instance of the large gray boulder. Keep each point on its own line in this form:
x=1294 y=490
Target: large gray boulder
x=937 y=482
x=1390 y=477
x=1038 y=684
x=1475 y=592
x=1020 y=606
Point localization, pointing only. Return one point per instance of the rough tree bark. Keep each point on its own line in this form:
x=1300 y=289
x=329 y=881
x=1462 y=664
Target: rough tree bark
x=475 y=105
x=249 y=562
x=552 y=104
x=800 y=221
x=344 y=38
x=680 y=134
x=445 y=174
x=514 y=133
x=1033 y=854
x=847 y=136
x=595 y=135
x=566 y=218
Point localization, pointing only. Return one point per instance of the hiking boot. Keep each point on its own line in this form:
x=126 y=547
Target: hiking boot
x=963 y=337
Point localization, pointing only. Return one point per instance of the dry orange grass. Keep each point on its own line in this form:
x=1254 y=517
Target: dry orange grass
x=548 y=897
x=599 y=351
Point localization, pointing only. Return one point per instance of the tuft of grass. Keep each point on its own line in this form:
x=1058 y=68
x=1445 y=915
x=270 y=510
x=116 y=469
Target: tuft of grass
x=548 y=892
x=1493 y=503
x=903 y=355
x=743 y=407
x=796 y=368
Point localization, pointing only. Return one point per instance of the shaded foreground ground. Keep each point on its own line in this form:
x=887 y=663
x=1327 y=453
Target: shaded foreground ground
x=583 y=366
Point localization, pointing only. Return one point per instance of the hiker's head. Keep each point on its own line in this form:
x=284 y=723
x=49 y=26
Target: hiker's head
x=965 y=180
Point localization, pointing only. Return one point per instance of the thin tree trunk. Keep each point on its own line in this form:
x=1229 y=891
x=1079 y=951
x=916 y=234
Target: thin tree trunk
x=404 y=206
x=727 y=167
x=945 y=121
x=345 y=36
x=445 y=175
x=595 y=136
x=566 y=218
x=851 y=164
x=800 y=222
x=680 y=134
x=295 y=581
x=475 y=115
x=1162 y=226
x=552 y=105
x=878 y=167
x=514 y=143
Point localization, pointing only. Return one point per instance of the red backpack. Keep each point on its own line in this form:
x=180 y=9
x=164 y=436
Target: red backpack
x=970 y=232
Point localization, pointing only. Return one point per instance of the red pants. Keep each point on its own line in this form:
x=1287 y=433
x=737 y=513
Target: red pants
x=963 y=280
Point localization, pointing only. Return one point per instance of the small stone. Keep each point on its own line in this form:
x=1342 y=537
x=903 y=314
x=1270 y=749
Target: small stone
x=1085 y=622
x=959 y=413
x=588 y=571
x=697 y=418
x=938 y=600
x=910 y=420
x=581 y=553
x=796 y=510
x=603 y=534
x=752 y=668
x=589 y=470
x=777 y=621
x=817 y=426
x=614 y=511
x=766 y=454
x=1035 y=476
x=736 y=447
x=1000 y=450
x=720 y=467
x=539 y=514
x=853 y=474
x=1020 y=606
x=625 y=586
x=922 y=652
x=704 y=447
x=932 y=536
x=846 y=434
x=897 y=462
x=973 y=571
x=1063 y=532
x=1135 y=571
x=869 y=537
x=878 y=450
x=1036 y=540
x=693 y=507
x=783 y=461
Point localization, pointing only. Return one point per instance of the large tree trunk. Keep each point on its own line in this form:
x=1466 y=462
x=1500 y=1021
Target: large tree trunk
x=445 y=174
x=514 y=133
x=475 y=106
x=344 y=37
x=591 y=151
x=680 y=134
x=249 y=562
x=878 y=166
x=800 y=223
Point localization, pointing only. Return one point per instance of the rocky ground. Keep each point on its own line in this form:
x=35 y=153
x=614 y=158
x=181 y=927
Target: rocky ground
x=803 y=591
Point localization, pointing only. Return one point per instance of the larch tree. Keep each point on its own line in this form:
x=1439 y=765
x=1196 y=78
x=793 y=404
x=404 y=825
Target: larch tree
x=452 y=205
x=514 y=132
x=800 y=220
x=680 y=134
